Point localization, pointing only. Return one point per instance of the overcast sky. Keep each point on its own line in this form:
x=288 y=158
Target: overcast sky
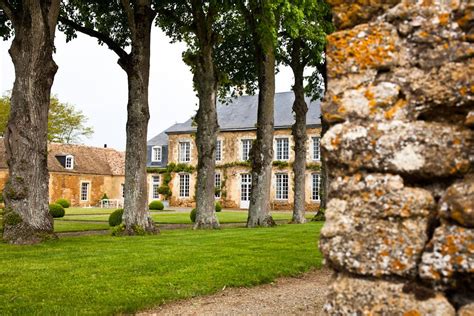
x=90 y=78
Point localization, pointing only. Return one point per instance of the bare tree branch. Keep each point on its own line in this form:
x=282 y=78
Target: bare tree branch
x=130 y=17
x=100 y=36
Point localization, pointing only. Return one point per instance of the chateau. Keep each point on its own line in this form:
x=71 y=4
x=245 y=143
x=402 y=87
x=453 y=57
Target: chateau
x=172 y=156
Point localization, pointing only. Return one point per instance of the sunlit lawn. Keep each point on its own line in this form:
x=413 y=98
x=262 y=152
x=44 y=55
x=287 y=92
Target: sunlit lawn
x=109 y=275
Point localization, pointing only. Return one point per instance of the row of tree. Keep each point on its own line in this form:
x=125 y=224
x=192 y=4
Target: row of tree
x=233 y=46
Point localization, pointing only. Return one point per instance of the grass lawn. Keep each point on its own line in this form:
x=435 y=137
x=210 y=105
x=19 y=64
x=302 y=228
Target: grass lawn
x=183 y=218
x=108 y=275
x=65 y=226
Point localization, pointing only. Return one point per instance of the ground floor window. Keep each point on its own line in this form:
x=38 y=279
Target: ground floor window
x=155 y=185
x=282 y=186
x=85 y=189
x=122 y=190
x=184 y=185
x=217 y=185
x=316 y=188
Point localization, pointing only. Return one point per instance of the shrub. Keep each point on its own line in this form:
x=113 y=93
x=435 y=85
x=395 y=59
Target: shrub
x=115 y=217
x=63 y=202
x=56 y=210
x=320 y=215
x=218 y=207
x=192 y=215
x=156 y=206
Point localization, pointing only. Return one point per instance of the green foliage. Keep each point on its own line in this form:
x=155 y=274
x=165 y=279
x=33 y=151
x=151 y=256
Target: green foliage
x=156 y=205
x=281 y=164
x=218 y=207
x=234 y=164
x=63 y=202
x=1 y=198
x=165 y=190
x=56 y=210
x=118 y=230
x=313 y=166
x=65 y=123
x=192 y=215
x=115 y=218
x=320 y=215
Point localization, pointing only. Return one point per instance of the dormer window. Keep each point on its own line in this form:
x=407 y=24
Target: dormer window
x=156 y=154
x=69 y=162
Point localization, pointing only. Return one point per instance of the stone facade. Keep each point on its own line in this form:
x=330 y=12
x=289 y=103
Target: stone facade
x=102 y=168
x=400 y=101
x=231 y=167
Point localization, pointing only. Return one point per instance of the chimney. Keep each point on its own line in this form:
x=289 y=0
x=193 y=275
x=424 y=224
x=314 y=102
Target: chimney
x=105 y=145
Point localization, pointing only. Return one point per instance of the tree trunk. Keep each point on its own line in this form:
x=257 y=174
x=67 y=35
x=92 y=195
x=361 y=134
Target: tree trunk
x=136 y=216
x=324 y=128
x=298 y=130
x=262 y=149
x=26 y=218
x=207 y=128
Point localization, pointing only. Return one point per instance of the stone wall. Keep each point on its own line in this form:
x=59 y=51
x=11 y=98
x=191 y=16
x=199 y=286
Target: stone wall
x=400 y=102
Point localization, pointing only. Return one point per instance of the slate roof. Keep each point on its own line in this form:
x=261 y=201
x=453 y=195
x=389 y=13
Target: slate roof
x=241 y=114
x=159 y=140
x=87 y=159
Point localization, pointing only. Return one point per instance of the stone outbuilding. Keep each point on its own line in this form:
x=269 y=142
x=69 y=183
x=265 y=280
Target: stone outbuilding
x=81 y=174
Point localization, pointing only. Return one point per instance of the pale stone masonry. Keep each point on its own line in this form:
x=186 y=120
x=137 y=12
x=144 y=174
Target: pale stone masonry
x=237 y=131
x=400 y=101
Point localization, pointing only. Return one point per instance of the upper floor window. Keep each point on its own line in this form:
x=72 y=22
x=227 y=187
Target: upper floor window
x=69 y=162
x=316 y=187
x=219 y=150
x=184 y=185
x=281 y=186
x=156 y=154
x=184 y=151
x=282 y=149
x=316 y=148
x=246 y=146
x=217 y=185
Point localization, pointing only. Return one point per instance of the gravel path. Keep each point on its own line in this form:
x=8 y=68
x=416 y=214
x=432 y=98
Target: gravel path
x=303 y=295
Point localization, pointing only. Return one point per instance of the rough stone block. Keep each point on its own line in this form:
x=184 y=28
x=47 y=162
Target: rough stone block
x=356 y=296
x=449 y=257
x=458 y=202
x=419 y=149
x=466 y=310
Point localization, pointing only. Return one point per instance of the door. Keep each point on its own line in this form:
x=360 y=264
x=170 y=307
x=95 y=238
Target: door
x=245 y=186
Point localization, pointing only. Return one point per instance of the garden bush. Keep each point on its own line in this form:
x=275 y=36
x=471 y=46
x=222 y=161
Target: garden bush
x=218 y=207
x=56 y=210
x=156 y=205
x=63 y=202
x=115 y=217
x=192 y=215
x=320 y=216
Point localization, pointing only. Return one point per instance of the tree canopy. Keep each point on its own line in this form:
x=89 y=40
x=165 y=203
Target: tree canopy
x=65 y=123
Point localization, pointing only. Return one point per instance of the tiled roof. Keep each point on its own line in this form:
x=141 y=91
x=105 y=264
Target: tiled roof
x=241 y=114
x=87 y=159
x=159 y=140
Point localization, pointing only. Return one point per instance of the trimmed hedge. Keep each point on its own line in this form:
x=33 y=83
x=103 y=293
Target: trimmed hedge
x=218 y=207
x=192 y=215
x=156 y=206
x=63 y=202
x=115 y=217
x=56 y=210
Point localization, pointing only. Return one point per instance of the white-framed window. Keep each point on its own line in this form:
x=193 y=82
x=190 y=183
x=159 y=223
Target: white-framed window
x=281 y=186
x=316 y=186
x=184 y=185
x=282 y=148
x=122 y=190
x=218 y=150
x=69 y=163
x=156 y=154
x=217 y=185
x=246 y=146
x=155 y=185
x=184 y=151
x=317 y=148
x=85 y=191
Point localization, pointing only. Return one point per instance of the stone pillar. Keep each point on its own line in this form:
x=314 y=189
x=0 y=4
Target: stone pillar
x=399 y=229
